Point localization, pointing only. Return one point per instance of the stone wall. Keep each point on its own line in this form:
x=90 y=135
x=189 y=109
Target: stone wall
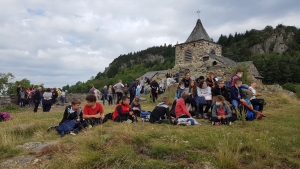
x=202 y=68
x=80 y=96
x=198 y=49
x=5 y=101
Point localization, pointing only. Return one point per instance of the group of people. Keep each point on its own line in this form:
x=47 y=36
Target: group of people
x=114 y=93
x=211 y=93
x=37 y=97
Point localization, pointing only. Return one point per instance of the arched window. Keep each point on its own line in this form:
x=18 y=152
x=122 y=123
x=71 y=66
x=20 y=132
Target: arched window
x=188 y=56
x=214 y=63
x=212 y=51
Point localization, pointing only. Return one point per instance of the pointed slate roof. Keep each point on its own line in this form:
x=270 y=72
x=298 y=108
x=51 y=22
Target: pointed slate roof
x=198 y=33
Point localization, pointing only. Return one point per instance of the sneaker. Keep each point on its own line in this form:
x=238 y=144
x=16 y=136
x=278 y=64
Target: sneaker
x=200 y=116
x=217 y=123
x=89 y=126
x=205 y=116
x=72 y=133
x=51 y=128
x=230 y=123
x=212 y=123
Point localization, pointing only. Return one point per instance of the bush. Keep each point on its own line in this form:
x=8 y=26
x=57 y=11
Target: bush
x=289 y=86
x=297 y=89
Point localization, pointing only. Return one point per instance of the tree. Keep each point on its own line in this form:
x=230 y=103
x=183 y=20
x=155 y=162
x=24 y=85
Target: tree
x=4 y=82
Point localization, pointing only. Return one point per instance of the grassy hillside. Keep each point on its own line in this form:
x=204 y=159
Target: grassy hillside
x=270 y=143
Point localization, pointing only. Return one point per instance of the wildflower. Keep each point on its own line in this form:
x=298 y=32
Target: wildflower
x=228 y=133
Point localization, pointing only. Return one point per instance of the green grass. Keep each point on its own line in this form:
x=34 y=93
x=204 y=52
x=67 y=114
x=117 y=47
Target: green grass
x=269 y=143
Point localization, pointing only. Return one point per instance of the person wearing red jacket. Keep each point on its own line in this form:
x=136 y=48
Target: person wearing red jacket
x=180 y=109
x=123 y=112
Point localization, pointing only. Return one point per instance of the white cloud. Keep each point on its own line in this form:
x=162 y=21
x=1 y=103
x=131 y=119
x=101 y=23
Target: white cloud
x=62 y=42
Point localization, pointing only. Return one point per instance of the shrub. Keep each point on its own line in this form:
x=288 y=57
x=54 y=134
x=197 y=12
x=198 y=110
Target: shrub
x=289 y=86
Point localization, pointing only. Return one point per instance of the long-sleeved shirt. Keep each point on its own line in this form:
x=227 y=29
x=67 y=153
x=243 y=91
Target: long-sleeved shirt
x=71 y=114
x=37 y=95
x=180 y=108
x=220 y=91
x=47 y=95
x=204 y=92
x=225 y=108
x=160 y=111
x=179 y=92
x=118 y=87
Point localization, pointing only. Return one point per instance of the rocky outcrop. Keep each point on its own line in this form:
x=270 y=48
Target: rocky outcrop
x=267 y=46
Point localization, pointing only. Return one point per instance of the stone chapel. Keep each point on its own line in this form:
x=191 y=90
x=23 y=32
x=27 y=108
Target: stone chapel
x=199 y=55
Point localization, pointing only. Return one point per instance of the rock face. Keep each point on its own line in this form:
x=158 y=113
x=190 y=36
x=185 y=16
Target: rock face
x=5 y=101
x=274 y=43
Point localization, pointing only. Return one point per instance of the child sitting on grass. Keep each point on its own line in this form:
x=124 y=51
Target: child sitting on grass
x=93 y=112
x=161 y=111
x=180 y=109
x=136 y=107
x=122 y=111
x=221 y=112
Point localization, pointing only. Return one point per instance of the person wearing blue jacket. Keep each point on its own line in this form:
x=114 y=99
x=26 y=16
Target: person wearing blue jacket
x=236 y=92
x=104 y=93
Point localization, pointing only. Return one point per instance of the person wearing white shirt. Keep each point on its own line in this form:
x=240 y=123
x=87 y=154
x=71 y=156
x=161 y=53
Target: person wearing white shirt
x=254 y=100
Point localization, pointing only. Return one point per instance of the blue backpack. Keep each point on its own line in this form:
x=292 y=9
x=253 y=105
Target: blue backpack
x=250 y=115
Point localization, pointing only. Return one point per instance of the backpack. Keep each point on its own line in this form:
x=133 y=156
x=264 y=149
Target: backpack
x=250 y=115
x=5 y=116
x=22 y=94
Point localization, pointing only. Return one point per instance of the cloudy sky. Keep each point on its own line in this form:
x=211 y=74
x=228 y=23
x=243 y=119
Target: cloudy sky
x=61 y=42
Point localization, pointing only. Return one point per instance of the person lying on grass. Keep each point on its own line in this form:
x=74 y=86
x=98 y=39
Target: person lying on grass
x=93 y=112
x=180 y=109
x=221 y=112
x=122 y=112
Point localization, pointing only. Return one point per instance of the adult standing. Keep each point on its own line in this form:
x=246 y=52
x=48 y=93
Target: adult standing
x=18 y=93
x=132 y=90
x=37 y=98
x=119 y=90
x=92 y=90
x=54 y=96
x=154 y=89
x=47 y=100
x=142 y=85
x=63 y=97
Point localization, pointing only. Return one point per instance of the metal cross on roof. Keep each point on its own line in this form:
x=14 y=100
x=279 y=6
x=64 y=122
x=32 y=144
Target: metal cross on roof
x=198 y=13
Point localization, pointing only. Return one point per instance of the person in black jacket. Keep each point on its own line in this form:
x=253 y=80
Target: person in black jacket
x=161 y=111
x=36 y=98
x=154 y=89
x=187 y=80
x=73 y=112
x=236 y=93
x=220 y=90
x=18 y=93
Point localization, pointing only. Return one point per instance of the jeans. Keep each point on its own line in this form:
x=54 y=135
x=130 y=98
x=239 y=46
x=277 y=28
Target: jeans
x=36 y=105
x=235 y=104
x=119 y=97
x=63 y=100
